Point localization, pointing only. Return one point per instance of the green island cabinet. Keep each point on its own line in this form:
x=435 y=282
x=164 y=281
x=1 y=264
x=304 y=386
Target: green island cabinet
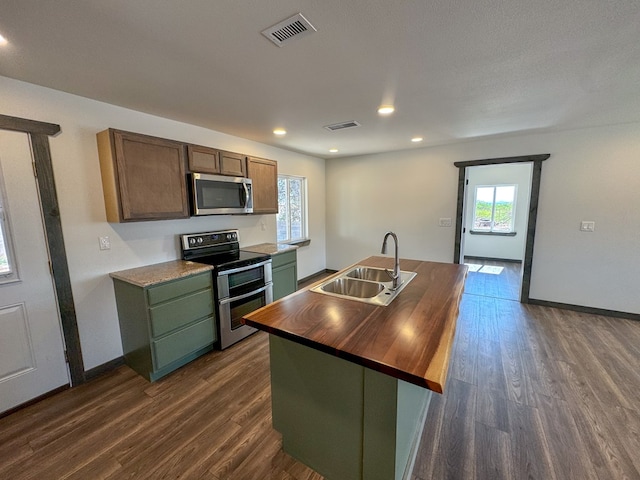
x=165 y=325
x=284 y=268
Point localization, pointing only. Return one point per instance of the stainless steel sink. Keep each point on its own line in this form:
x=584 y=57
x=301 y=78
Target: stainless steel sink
x=364 y=284
x=370 y=273
x=351 y=287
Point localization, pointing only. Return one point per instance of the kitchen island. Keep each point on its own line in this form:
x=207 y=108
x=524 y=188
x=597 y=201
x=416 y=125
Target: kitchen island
x=351 y=381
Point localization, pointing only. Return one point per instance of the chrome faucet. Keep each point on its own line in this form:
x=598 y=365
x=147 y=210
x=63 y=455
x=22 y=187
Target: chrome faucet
x=395 y=276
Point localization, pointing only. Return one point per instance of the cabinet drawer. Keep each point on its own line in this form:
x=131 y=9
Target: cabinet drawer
x=175 y=314
x=175 y=346
x=177 y=288
x=283 y=258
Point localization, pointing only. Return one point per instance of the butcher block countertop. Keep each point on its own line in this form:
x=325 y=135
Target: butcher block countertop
x=160 y=272
x=410 y=339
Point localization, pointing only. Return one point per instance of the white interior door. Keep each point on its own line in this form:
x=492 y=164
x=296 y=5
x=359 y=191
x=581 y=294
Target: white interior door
x=31 y=344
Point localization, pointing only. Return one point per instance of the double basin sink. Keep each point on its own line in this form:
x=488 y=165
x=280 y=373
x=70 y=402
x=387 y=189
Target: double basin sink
x=365 y=284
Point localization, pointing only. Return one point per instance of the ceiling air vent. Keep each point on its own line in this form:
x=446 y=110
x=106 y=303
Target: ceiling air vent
x=342 y=125
x=289 y=29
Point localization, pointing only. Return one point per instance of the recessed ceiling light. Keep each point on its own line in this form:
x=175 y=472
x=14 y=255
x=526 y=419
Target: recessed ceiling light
x=280 y=131
x=333 y=150
x=3 y=41
x=386 y=109
x=417 y=139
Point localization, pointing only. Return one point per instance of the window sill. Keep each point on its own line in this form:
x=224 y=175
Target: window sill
x=495 y=234
x=298 y=243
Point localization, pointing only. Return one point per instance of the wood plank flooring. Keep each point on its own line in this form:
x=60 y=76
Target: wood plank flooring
x=536 y=392
x=505 y=285
x=533 y=393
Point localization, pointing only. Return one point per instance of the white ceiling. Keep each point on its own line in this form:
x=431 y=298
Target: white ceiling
x=454 y=69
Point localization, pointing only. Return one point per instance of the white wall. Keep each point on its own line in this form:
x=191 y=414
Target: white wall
x=79 y=188
x=593 y=174
x=492 y=246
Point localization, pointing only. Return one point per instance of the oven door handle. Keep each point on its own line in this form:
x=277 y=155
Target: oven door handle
x=240 y=297
x=242 y=269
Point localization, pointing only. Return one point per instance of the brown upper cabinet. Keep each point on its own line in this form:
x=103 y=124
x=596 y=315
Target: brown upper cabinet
x=264 y=176
x=143 y=177
x=210 y=160
x=203 y=159
x=232 y=164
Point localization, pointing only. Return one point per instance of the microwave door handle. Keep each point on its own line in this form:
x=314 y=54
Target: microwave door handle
x=246 y=194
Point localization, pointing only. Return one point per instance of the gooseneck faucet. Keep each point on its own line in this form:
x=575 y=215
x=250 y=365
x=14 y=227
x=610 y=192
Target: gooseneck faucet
x=395 y=276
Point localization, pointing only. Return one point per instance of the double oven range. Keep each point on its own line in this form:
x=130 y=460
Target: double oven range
x=242 y=280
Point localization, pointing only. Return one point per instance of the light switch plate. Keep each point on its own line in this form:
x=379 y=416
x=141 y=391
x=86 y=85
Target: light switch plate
x=445 y=222
x=587 y=226
x=105 y=243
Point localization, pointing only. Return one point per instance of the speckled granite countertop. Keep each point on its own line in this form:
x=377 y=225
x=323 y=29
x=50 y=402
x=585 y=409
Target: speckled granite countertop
x=160 y=272
x=269 y=248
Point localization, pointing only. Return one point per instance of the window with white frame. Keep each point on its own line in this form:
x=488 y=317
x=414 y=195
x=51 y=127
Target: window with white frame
x=7 y=266
x=494 y=209
x=292 y=209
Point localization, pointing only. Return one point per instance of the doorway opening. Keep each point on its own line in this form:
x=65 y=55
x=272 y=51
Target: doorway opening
x=487 y=231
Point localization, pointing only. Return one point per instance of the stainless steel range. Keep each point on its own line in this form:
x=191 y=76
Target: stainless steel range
x=242 y=279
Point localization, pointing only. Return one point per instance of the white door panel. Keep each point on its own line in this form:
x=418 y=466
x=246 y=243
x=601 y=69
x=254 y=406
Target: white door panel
x=31 y=346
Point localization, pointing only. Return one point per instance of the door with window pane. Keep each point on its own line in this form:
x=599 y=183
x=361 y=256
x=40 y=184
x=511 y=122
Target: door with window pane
x=32 y=360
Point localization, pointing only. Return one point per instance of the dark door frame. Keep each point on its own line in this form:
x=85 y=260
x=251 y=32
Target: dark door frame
x=39 y=133
x=533 y=209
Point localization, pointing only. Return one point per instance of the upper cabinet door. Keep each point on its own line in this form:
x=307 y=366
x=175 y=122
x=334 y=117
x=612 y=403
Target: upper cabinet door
x=264 y=176
x=203 y=159
x=232 y=164
x=143 y=177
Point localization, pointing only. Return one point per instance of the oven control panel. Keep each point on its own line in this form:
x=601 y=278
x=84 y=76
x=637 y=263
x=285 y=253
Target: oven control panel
x=209 y=239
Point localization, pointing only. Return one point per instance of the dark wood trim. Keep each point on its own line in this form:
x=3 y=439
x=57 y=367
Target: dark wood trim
x=590 y=310
x=100 y=370
x=531 y=231
x=533 y=209
x=33 y=401
x=28 y=126
x=498 y=161
x=39 y=133
x=459 y=215
x=57 y=253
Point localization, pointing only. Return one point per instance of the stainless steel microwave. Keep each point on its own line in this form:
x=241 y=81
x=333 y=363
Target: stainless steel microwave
x=217 y=194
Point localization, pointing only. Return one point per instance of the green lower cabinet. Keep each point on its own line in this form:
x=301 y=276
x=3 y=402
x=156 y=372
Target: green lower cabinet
x=284 y=268
x=345 y=421
x=167 y=325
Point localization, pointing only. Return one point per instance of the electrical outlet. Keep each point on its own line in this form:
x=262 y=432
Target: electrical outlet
x=587 y=226
x=105 y=243
x=445 y=222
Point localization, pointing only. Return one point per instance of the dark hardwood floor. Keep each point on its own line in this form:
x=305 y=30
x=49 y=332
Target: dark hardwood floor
x=536 y=392
x=533 y=392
